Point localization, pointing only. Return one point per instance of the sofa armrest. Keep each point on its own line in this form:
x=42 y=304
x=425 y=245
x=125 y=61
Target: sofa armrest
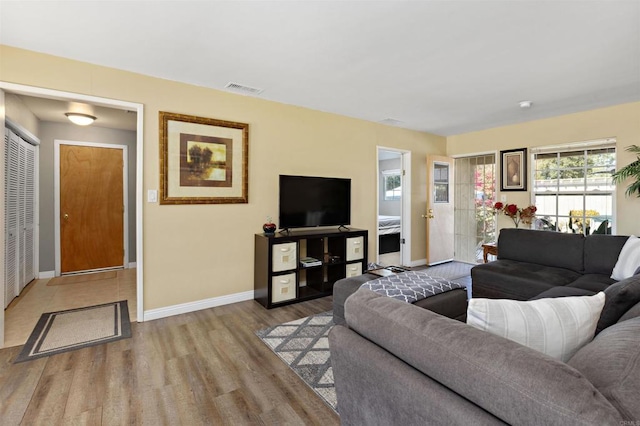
x=493 y=373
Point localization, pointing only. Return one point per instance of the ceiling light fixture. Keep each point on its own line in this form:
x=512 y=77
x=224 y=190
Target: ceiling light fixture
x=80 y=119
x=525 y=104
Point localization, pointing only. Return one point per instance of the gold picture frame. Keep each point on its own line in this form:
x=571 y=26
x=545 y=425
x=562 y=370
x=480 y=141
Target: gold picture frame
x=203 y=160
x=513 y=167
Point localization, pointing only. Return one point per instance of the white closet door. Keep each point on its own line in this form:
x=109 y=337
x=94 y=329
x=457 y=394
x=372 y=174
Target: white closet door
x=11 y=152
x=20 y=203
x=29 y=192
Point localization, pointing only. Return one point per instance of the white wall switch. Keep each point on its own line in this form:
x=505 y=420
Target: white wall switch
x=152 y=196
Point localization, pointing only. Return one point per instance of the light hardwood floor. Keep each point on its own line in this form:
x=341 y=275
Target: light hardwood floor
x=202 y=368
x=39 y=297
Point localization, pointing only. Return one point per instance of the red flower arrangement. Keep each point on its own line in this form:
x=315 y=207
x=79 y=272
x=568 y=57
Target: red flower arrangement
x=516 y=214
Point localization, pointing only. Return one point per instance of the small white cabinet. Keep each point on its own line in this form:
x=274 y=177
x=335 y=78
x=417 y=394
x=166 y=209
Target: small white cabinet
x=283 y=287
x=355 y=248
x=284 y=257
x=353 y=269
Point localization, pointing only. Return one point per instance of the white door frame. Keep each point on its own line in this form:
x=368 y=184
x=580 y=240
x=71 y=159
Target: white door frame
x=56 y=196
x=405 y=207
x=99 y=101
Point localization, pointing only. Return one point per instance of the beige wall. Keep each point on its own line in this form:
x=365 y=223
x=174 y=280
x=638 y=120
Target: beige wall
x=17 y=111
x=621 y=122
x=204 y=251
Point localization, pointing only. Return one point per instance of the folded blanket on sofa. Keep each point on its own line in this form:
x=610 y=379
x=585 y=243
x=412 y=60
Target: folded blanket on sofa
x=410 y=286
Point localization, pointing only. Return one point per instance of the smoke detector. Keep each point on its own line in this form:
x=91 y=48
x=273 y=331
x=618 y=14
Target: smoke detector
x=525 y=104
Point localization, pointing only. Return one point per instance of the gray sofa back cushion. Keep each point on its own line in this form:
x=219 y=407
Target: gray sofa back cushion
x=542 y=247
x=634 y=312
x=601 y=253
x=611 y=363
x=619 y=298
x=492 y=372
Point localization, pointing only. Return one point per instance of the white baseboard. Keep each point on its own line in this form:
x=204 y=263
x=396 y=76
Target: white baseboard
x=420 y=262
x=184 y=308
x=46 y=274
x=132 y=265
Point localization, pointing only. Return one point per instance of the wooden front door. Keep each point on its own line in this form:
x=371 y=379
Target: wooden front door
x=440 y=211
x=91 y=208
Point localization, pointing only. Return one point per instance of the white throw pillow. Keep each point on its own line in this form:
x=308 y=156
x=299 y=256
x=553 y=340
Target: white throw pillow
x=628 y=259
x=557 y=327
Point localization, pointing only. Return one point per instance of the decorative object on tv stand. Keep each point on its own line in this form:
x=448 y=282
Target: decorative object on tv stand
x=518 y=215
x=513 y=170
x=269 y=227
x=630 y=171
x=203 y=160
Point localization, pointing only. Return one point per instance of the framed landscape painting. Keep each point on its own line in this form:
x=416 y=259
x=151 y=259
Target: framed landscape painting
x=203 y=160
x=513 y=167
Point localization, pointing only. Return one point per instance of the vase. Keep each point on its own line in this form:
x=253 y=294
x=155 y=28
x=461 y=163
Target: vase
x=269 y=228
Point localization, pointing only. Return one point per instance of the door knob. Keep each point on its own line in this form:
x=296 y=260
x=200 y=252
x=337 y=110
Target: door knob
x=66 y=216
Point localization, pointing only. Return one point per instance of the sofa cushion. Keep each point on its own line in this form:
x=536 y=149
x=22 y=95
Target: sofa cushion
x=517 y=280
x=620 y=297
x=563 y=291
x=629 y=259
x=556 y=327
x=612 y=364
x=494 y=373
x=601 y=253
x=633 y=312
x=548 y=248
x=593 y=282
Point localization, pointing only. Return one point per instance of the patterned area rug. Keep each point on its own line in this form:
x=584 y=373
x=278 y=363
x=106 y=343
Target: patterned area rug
x=304 y=346
x=64 y=331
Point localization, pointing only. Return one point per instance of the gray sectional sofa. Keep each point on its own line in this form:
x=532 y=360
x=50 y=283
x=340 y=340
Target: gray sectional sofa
x=397 y=364
x=532 y=262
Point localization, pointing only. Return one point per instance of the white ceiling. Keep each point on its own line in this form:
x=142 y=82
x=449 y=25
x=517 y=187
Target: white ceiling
x=445 y=67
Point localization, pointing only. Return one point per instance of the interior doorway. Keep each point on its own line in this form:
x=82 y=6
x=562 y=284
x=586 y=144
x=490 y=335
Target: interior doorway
x=394 y=199
x=116 y=105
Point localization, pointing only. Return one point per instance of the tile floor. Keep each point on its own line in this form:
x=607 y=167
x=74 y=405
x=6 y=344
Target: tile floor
x=23 y=313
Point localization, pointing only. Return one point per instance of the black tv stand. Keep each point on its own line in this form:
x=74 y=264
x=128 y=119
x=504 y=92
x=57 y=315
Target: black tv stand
x=298 y=265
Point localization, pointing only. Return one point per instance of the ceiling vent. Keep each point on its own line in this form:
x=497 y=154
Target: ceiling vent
x=390 y=122
x=242 y=89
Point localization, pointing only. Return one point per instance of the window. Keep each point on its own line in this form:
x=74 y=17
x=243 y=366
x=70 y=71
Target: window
x=392 y=185
x=441 y=183
x=573 y=189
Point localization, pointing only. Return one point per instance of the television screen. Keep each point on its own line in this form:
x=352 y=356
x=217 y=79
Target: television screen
x=307 y=201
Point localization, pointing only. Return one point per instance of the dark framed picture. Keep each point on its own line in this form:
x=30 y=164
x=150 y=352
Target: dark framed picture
x=513 y=170
x=203 y=160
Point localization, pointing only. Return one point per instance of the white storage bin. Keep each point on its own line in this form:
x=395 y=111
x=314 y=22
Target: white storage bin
x=285 y=257
x=353 y=269
x=355 y=248
x=283 y=287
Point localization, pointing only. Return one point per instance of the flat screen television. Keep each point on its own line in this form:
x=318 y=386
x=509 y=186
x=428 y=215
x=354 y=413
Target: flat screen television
x=308 y=201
